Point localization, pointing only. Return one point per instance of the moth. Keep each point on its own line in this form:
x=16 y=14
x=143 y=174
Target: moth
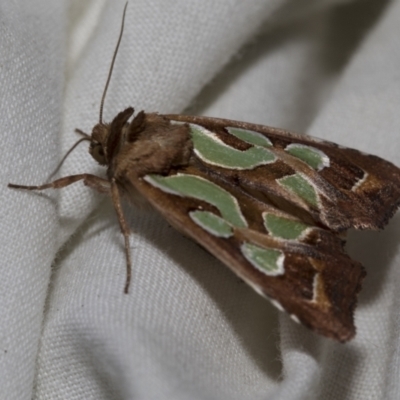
x=272 y=205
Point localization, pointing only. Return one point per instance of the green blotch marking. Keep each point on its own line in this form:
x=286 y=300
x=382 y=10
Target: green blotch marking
x=212 y=150
x=298 y=185
x=212 y=223
x=250 y=137
x=282 y=227
x=315 y=158
x=268 y=261
x=199 y=188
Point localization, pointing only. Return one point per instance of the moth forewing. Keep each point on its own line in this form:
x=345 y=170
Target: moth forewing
x=349 y=189
x=270 y=204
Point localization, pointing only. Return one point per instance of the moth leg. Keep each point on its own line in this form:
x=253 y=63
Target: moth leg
x=101 y=185
x=93 y=181
x=116 y=199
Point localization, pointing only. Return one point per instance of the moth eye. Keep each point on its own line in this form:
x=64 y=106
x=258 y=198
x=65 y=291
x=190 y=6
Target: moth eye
x=97 y=152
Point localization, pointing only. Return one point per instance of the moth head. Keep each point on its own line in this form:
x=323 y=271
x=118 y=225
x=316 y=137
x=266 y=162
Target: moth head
x=98 y=140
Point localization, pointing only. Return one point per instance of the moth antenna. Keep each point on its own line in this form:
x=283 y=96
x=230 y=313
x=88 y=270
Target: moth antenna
x=86 y=137
x=112 y=64
x=77 y=130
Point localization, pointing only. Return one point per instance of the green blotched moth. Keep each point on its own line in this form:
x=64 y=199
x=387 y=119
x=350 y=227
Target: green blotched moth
x=268 y=203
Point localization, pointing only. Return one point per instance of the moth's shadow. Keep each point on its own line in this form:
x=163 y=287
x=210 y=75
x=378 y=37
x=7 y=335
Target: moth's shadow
x=337 y=45
x=376 y=251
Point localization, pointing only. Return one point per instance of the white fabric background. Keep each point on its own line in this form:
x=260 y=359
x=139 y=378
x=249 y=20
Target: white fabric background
x=189 y=329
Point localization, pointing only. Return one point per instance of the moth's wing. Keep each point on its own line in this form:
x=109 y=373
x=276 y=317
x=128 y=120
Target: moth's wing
x=334 y=186
x=309 y=276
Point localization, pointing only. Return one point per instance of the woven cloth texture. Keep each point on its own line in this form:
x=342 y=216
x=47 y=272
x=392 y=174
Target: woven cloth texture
x=189 y=329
